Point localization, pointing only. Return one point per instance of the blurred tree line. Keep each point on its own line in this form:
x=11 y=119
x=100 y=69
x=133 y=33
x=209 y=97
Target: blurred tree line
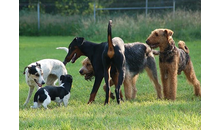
x=84 y=7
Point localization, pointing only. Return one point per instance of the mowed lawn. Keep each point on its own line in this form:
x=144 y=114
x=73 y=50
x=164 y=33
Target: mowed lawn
x=144 y=112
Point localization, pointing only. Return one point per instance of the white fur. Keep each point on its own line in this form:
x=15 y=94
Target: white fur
x=63 y=48
x=52 y=70
x=35 y=105
x=47 y=100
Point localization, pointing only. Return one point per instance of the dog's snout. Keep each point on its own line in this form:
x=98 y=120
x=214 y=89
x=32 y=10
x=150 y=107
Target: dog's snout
x=43 y=82
x=147 y=41
x=81 y=71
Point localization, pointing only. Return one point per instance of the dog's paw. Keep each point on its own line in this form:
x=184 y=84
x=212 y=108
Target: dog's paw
x=33 y=107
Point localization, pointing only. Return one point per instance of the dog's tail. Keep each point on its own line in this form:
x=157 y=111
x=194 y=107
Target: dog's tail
x=63 y=48
x=111 y=51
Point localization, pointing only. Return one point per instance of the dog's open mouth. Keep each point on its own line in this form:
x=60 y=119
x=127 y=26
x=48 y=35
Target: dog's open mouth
x=88 y=76
x=74 y=58
x=154 y=45
x=40 y=85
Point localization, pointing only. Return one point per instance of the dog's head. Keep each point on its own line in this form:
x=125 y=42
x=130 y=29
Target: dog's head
x=35 y=73
x=182 y=45
x=160 y=38
x=74 y=50
x=66 y=79
x=87 y=69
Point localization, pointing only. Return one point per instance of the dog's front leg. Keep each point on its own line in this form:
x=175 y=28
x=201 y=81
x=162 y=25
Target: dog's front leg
x=31 y=89
x=98 y=80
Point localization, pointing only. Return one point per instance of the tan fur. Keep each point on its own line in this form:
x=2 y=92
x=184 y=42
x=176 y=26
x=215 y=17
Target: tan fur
x=182 y=45
x=129 y=82
x=162 y=38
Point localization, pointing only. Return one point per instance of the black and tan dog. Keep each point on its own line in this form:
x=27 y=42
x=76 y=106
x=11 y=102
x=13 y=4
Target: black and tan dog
x=172 y=61
x=139 y=56
x=104 y=57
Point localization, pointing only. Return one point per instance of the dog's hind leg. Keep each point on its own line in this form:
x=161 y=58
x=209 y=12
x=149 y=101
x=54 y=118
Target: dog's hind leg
x=115 y=81
x=107 y=82
x=51 y=79
x=134 y=88
x=152 y=73
x=31 y=89
x=191 y=77
x=104 y=87
x=120 y=81
x=47 y=100
x=128 y=87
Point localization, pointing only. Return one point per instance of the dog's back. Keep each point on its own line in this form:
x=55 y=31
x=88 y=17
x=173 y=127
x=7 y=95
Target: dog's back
x=52 y=91
x=136 y=57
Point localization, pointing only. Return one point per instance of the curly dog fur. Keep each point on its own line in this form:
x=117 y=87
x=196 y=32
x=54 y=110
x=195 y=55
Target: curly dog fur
x=136 y=62
x=172 y=61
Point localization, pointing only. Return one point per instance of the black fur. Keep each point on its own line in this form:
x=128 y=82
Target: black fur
x=116 y=60
x=95 y=52
x=32 y=69
x=59 y=91
x=183 y=61
x=135 y=53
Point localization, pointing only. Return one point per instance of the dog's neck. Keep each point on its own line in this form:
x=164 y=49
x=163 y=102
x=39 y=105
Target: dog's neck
x=86 y=48
x=67 y=86
x=169 y=49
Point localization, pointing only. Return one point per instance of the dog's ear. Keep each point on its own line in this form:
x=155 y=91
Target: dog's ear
x=79 y=40
x=25 y=69
x=62 y=77
x=70 y=78
x=38 y=65
x=29 y=67
x=168 y=32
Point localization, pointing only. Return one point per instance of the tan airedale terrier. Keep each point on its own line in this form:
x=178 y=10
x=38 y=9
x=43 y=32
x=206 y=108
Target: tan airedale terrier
x=172 y=61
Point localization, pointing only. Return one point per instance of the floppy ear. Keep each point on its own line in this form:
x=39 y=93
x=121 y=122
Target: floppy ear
x=25 y=69
x=38 y=65
x=168 y=32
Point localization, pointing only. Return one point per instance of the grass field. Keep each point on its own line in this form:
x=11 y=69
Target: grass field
x=144 y=112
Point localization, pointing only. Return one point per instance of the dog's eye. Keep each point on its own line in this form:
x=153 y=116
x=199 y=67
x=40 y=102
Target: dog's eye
x=37 y=75
x=88 y=64
x=156 y=34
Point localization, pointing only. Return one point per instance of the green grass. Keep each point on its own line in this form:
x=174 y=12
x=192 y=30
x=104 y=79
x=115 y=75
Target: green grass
x=144 y=112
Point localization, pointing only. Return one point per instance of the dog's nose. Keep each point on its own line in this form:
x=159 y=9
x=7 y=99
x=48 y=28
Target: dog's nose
x=43 y=82
x=64 y=62
x=81 y=71
x=147 y=41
